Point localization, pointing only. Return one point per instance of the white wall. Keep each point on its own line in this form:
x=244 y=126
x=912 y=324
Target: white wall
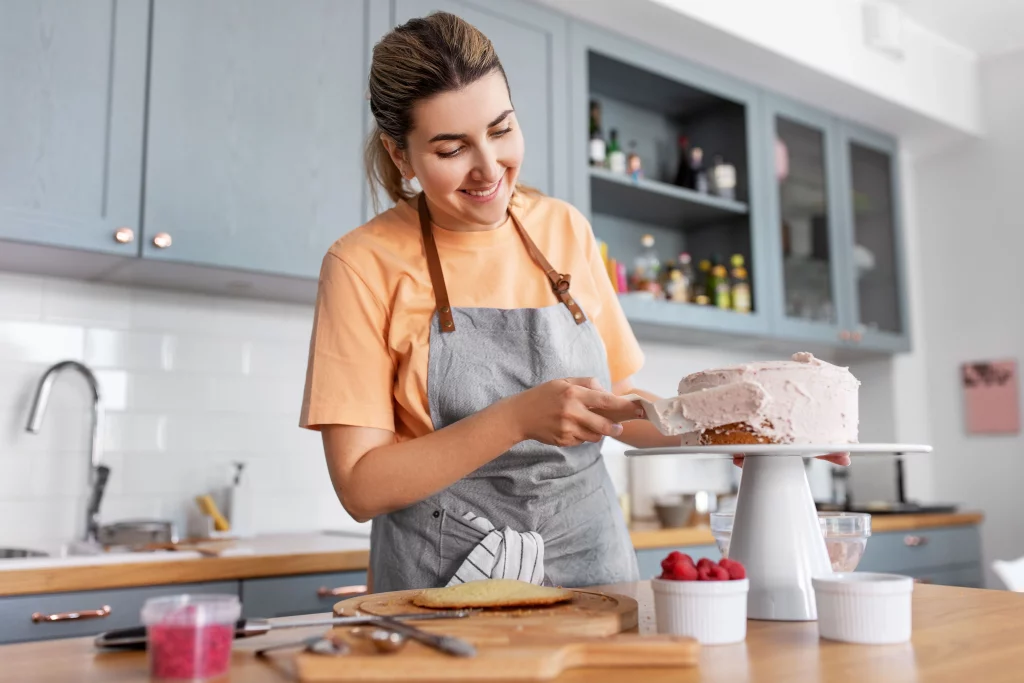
x=190 y=383
x=972 y=240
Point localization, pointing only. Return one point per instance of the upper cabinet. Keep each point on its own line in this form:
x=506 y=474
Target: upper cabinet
x=72 y=97
x=695 y=136
x=531 y=43
x=254 y=132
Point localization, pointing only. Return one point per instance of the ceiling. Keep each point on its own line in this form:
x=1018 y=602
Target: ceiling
x=985 y=27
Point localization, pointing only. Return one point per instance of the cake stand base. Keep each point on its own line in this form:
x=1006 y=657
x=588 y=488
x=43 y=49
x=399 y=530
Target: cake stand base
x=777 y=537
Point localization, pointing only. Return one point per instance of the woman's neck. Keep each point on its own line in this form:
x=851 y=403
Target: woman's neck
x=447 y=222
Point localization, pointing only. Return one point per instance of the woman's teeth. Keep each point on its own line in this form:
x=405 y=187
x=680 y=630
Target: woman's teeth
x=483 y=193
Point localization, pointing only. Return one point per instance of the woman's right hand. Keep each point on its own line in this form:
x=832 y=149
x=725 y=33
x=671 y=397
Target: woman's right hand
x=562 y=412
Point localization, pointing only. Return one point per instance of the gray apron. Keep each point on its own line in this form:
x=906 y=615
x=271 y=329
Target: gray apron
x=477 y=357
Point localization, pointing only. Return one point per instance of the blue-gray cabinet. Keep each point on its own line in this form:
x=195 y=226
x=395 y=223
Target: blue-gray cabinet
x=947 y=555
x=49 y=616
x=254 y=132
x=73 y=92
x=284 y=596
x=531 y=43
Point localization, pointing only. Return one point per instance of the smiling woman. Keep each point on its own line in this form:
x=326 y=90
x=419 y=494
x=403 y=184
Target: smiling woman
x=462 y=382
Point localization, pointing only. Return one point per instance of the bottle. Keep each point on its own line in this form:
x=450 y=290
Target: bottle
x=684 y=172
x=723 y=178
x=721 y=290
x=597 y=151
x=700 y=174
x=740 y=290
x=686 y=268
x=634 y=167
x=616 y=157
x=701 y=292
x=646 y=267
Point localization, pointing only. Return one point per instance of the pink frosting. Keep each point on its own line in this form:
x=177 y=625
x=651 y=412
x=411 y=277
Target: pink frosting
x=804 y=400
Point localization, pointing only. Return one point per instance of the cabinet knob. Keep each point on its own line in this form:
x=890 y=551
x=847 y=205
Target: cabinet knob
x=914 y=541
x=100 y=613
x=844 y=335
x=324 y=592
x=856 y=336
x=124 y=235
x=161 y=240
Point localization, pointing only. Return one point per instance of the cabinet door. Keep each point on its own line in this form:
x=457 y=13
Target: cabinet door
x=255 y=131
x=284 y=596
x=871 y=204
x=530 y=42
x=805 y=219
x=72 y=97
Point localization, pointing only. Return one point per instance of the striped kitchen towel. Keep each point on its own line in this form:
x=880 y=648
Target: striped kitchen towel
x=505 y=554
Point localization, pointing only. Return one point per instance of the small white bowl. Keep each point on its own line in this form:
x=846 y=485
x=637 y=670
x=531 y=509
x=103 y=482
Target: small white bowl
x=862 y=607
x=713 y=612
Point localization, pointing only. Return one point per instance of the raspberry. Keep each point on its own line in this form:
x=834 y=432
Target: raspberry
x=703 y=574
x=705 y=562
x=736 y=571
x=719 y=574
x=685 y=572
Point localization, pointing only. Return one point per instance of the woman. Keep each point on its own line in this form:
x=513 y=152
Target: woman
x=459 y=383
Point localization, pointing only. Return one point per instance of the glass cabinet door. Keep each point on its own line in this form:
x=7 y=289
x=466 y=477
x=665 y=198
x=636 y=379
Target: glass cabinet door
x=877 y=300
x=805 y=219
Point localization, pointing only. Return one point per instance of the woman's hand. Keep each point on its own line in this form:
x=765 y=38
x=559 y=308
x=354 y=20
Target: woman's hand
x=837 y=458
x=565 y=412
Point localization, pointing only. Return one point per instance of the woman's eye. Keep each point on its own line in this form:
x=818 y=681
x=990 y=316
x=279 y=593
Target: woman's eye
x=452 y=153
x=499 y=133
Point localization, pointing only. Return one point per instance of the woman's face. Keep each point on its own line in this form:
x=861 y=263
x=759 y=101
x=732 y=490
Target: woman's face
x=465 y=150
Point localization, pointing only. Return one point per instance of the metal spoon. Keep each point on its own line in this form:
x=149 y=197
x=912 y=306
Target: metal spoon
x=317 y=644
x=384 y=641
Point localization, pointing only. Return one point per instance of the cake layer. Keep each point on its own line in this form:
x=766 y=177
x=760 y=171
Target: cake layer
x=804 y=400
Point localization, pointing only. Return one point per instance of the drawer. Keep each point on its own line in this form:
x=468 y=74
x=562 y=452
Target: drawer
x=125 y=605
x=283 y=596
x=650 y=560
x=970 y=576
x=903 y=552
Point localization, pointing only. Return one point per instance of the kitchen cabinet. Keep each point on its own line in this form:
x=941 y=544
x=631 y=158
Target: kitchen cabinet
x=254 y=132
x=98 y=610
x=283 y=596
x=940 y=555
x=531 y=42
x=73 y=84
x=649 y=560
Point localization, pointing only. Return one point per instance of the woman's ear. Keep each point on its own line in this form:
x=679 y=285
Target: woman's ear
x=397 y=156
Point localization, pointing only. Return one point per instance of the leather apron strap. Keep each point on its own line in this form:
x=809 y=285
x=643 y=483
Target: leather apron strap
x=559 y=281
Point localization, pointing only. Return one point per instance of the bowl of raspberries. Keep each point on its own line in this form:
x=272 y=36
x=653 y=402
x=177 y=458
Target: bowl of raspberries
x=705 y=600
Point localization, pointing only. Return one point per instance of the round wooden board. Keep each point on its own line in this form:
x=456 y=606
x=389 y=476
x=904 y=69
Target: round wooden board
x=589 y=613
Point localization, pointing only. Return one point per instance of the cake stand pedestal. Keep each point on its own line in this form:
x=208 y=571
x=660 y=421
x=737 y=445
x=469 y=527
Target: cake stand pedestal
x=775 y=531
x=777 y=537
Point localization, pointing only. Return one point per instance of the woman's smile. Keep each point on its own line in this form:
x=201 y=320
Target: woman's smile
x=483 y=194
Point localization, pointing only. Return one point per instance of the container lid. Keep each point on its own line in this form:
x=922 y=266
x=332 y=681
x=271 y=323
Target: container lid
x=864 y=583
x=191 y=610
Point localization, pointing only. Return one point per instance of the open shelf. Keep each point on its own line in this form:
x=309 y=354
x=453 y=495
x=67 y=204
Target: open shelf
x=658 y=203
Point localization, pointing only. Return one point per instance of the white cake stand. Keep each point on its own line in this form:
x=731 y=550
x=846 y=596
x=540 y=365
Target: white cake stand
x=775 y=531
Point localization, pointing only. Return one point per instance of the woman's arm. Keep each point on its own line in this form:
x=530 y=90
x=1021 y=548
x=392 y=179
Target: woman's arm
x=373 y=474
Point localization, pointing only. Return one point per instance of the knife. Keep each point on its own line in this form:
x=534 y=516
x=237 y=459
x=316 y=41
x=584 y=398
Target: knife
x=451 y=645
x=134 y=637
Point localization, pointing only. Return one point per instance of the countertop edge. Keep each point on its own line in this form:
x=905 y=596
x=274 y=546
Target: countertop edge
x=134 y=574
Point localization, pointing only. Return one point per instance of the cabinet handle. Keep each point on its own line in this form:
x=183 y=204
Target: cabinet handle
x=325 y=592
x=101 y=613
x=161 y=240
x=124 y=235
x=923 y=580
x=914 y=541
x=844 y=335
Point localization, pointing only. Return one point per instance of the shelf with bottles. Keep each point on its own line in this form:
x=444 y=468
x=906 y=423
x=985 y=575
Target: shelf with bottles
x=707 y=282
x=664 y=152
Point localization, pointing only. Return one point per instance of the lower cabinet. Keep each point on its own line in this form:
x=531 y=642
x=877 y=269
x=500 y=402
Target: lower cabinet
x=285 y=596
x=650 y=560
x=52 y=615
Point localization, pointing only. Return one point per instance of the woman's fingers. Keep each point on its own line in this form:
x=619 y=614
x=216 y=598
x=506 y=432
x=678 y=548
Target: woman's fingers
x=836 y=458
x=594 y=423
x=610 y=406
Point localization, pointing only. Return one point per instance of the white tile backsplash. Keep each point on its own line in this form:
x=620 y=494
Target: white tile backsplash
x=190 y=383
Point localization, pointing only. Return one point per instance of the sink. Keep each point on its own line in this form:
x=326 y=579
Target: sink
x=12 y=553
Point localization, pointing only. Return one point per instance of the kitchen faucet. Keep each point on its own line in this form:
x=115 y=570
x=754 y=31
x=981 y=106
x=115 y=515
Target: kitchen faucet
x=97 y=479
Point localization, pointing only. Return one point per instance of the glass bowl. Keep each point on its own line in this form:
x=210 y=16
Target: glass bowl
x=846 y=536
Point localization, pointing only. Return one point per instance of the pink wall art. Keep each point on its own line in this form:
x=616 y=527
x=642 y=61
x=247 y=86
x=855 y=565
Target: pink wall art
x=991 y=397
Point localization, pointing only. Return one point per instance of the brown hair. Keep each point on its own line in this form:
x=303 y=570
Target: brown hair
x=417 y=60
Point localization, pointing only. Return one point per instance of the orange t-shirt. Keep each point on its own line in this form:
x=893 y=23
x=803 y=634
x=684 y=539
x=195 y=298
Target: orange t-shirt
x=371 y=332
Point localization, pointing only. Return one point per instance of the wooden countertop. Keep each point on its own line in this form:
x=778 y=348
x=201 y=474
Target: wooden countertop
x=285 y=554
x=959 y=634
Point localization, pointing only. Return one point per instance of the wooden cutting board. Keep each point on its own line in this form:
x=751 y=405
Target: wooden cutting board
x=513 y=644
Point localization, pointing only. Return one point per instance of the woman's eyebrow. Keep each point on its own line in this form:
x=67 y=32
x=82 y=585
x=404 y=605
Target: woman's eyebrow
x=443 y=137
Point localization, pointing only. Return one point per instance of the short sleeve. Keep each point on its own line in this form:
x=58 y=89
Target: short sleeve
x=350 y=372
x=625 y=357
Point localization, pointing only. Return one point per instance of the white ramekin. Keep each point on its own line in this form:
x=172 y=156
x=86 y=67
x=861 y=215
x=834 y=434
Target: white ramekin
x=713 y=612
x=862 y=607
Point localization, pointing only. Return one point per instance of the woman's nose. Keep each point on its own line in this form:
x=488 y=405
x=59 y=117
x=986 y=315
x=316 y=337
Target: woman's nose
x=486 y=169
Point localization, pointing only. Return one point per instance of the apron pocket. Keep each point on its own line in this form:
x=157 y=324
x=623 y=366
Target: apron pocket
x=458 y=538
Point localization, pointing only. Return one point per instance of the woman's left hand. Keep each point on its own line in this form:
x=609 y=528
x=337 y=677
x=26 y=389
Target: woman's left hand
x=837 y=458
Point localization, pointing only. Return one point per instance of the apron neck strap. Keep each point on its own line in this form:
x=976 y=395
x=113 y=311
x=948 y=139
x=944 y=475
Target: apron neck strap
x=559 y=281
